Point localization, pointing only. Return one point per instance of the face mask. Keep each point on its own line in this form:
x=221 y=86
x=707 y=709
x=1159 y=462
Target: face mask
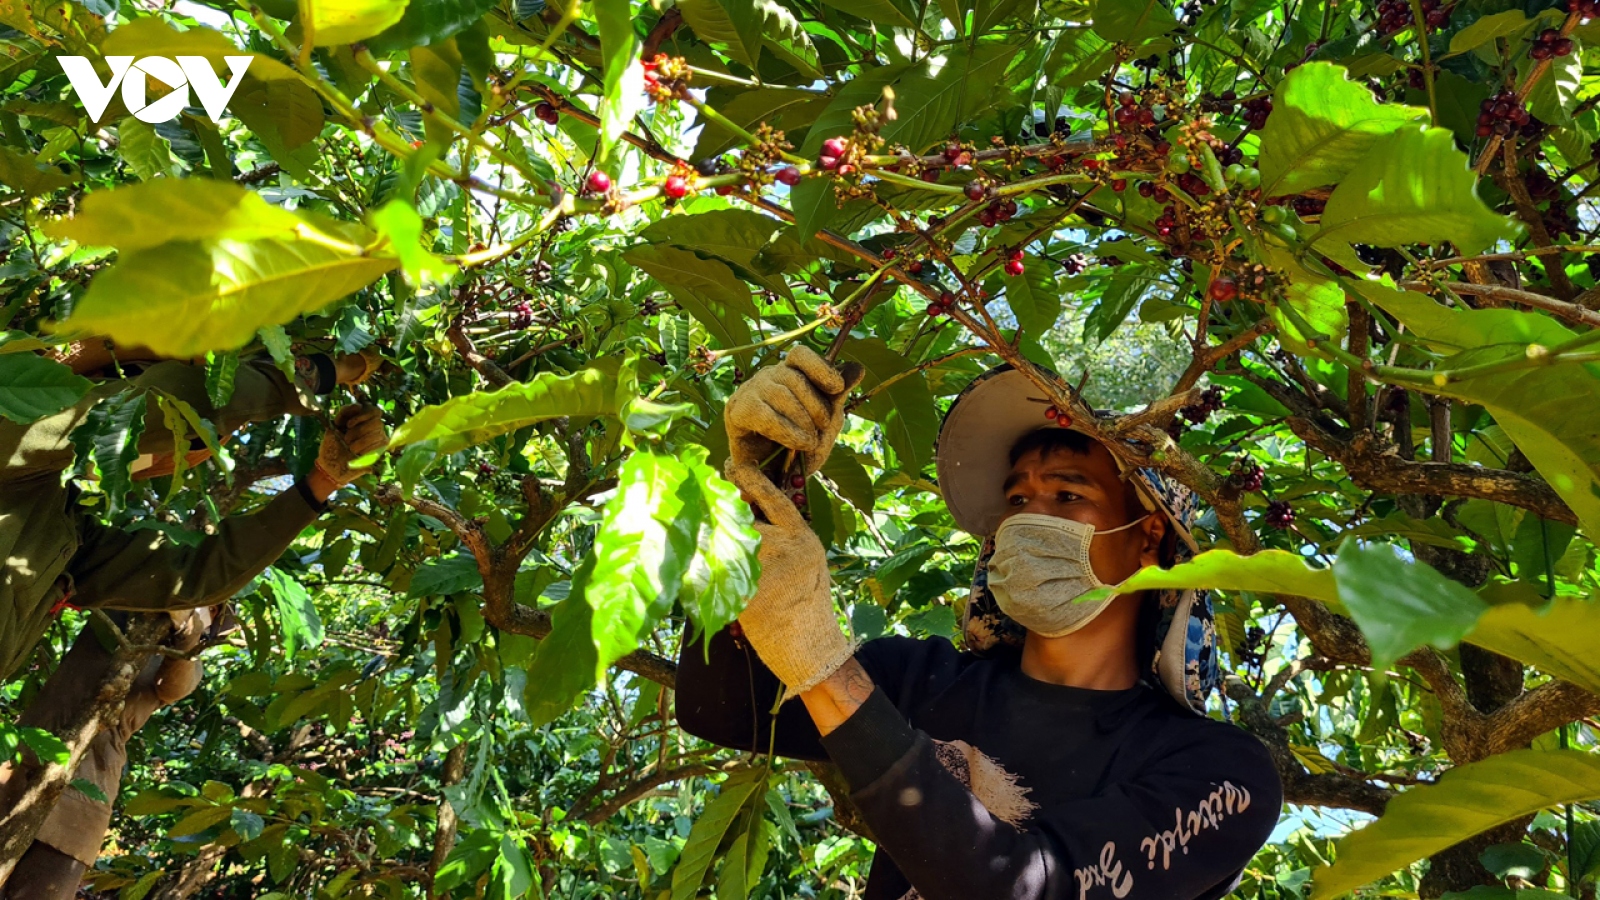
x=1040 y=567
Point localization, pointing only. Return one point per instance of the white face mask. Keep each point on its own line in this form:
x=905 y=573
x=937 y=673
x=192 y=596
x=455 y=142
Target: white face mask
x=1040 y=567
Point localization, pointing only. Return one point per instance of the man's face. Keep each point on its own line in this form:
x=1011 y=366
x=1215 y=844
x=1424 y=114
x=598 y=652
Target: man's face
x=1085 y=487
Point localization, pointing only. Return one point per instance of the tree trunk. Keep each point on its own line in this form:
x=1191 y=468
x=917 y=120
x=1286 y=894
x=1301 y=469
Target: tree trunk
x=1458 y=869
x=34 y=787
x=444 y=835
x=192 y=876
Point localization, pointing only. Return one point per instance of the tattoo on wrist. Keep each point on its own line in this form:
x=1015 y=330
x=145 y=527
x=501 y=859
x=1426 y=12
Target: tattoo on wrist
x=857 y=684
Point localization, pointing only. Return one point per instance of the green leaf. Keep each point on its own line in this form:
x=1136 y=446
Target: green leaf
x=565 y=663
x=461 y=422
x=622 y=78
x=302 y=626
x=246 y=824
x=812 y=199
x=734 y=23
x=1552 y=97
x=708 y=278
x=1496 y=25
x=695 y=860
x=1412 y=187
x=141 y=216
x=22 y=172
x=331 y=22
x=115 y=427
x=1034 y=296
x=723 y=574
x=1401 y=603
x=1467 y=800
x=200 y=820
x=784 y=37
x=884 y=12
x=32 y=387
x=1585 y=852
x=89 y=789
x=430 y=22
x=1561 y=639
x=1116 y=302
x=1322 y=125
x=904 y=409
x=50 y=749
x=185 y=298
x=1132 y=21
x=397 y=222
x=145 y=151
x=1266 y=572
x=850 y=478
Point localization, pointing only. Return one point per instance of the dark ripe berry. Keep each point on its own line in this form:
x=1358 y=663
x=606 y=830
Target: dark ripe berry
x=1008 y=208
x=545 y=112
x=1564 y=47
x=975 y=190
x=1075 y=264
x=1146 y=189
x=675 y=187
x=1014 y=267
x=797 y=481
x=1229 y=96
x=485 y=469
x=930 y=175
x=1279 y=514
x=828 y=163
x=789 y=175
x=599 y=182
x=915 y=267
x=986 y=218
x=1126 y=98
x=1223 y=289
x=1119 y=184
x=833 y=147
x=947 y=299
x=1541 y=51
x=952 y=151
x=707 y=167
x=1041 y=129
x=936 y=221
x=799 y=499
x=889 y=253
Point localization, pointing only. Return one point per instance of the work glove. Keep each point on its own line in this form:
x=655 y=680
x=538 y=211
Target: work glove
x=357 y=430
x=790 y=622
x=797 y=404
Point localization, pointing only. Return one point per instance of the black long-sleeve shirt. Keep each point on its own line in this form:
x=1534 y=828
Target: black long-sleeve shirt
x=981 y=782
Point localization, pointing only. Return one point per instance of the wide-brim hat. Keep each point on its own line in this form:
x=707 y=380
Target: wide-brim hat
x=973 y=458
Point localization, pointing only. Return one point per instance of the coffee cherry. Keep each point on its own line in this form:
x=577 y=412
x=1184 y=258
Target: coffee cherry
x=799 y=499
x=1279 y=514
x=975 y=190
x=599 y=182
x=828 y=163
x=1248 y=476
x=915 y=267
x=1014 y=267
x=789 y=175
x=1119 y=184
x=834 y=147
x=1076 y=264
x=546 y=112
x=675 y=187
x=1223 y=289
x=1050 y=412
x=797 y=481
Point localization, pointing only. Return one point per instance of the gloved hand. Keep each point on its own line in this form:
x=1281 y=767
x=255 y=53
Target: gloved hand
x=791 y=621
x=357 y=430
x=798 y=404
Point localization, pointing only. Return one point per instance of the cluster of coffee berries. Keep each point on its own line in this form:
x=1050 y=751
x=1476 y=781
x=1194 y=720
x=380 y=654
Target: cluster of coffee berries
x=1210 y=402
x=666 y=77
x=832 y=150
x=522 y=315
x=1251 y=655
x=539 y=272
x=1279 y=514
x=1058 y=417
x=546 y=112
x=1247 y=476
x=1076 y=264
x=1014 y=265
x=1221 y=103
x=1042 y=128
x=1586 y=9
x=1256 y=111
x=1152 y=191
x=1309 y=206
x=1166 y=222
x=943 y=305
x=1131 y=114
x=999 y=210
x=1501 y=114
x=1550 y=43
x=797 y=483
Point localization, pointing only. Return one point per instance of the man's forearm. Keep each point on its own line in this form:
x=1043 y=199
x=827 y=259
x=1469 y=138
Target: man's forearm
x=838 y=696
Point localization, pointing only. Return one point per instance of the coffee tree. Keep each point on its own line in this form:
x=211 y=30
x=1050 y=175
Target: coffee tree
x=1330 y=262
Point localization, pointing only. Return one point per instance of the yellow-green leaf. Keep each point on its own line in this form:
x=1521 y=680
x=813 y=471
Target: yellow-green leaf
x=331 y=22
